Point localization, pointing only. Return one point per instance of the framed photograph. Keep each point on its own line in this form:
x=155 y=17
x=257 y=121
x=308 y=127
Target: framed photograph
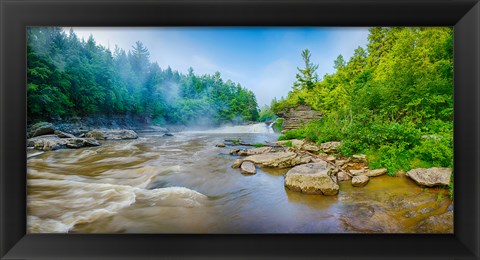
x=240 y=129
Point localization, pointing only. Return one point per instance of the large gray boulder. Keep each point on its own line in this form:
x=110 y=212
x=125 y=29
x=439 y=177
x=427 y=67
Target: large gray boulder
x=42 y=128
x=278 y=159
x=430 y=177
x=248 y=168
x=53 y=142
x=312 y=178
x=119 y=134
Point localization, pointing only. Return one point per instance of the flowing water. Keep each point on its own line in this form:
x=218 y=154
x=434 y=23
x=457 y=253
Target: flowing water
x=184 y=184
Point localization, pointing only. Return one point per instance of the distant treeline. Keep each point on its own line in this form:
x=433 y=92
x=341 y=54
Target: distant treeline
x=70 y=77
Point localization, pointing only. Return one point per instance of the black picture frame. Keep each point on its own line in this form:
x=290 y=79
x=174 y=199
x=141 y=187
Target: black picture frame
x=15 y=15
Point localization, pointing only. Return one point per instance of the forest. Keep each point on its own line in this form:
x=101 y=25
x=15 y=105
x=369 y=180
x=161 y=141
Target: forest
x=392 y=101
x=70 y=77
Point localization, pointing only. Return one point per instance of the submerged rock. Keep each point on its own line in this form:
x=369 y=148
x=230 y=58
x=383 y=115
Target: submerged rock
x=234 y=151
x=220 y=145
x=312 y=178
x=442 y=223
x=42 y=128
x=248 y=168
x=430 y=177
x=112 y=134
x=360 y=180
x=81 y=142
x=278 y=159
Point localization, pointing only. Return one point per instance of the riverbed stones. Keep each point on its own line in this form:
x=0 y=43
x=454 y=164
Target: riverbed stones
x=253 y=151
x=360 y=180
x=220 y=145
x=376 y=172
x=430 y=177
x=278 y=159
x=237 y=163
x=248 y=168
x=295 y=143
x=42 y=128
x=330 y=147
x=234 y=151
x=312 y=178
x=117 y=134
x=81 y=142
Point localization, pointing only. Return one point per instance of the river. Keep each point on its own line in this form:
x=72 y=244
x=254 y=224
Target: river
x=184 y=184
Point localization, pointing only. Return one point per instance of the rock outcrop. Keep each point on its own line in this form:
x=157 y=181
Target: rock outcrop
x=111 y=134
x=278 y=159
x=253 y=151
x=53 y=142
x=42 y=128
x=298 y=116
x=312 y=178
x=431 y=177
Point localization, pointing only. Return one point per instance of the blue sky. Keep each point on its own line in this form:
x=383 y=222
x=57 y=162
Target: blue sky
x=262 y=59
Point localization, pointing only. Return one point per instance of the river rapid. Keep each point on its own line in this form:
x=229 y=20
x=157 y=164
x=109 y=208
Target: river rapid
x=184 y=184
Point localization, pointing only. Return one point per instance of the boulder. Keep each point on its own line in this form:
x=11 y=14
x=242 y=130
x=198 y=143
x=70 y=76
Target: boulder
x=253 y=151
x=278 y=159
x=360 y=180
x=53 y=142
x=360 y=158
x=63 y=134
x=248 y=168
x=430 y=177
x=42 y=128
x=220 y=145
x=237 y=163
x=330 y=147
x=357 y=172
x=330 y=158
x=341 y=176
x=312 y=178
x=112 y=134
x=376 y=172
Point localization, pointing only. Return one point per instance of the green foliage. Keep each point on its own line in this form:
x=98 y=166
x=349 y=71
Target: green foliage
x=289 y=144
x=70 y=77
x=392 y=101
x=258 y=145
x=278 y=125
x=266 y=114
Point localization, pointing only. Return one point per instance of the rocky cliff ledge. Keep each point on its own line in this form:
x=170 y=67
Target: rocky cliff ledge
x=298 y=116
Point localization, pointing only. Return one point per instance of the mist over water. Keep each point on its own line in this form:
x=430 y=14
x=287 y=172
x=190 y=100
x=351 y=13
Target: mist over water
x=184 y=184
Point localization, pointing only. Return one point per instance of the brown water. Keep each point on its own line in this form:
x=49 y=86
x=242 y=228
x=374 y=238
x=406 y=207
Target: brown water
x=184 y=184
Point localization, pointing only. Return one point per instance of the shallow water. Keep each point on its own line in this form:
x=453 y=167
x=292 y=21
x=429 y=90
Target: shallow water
x=184 y=184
